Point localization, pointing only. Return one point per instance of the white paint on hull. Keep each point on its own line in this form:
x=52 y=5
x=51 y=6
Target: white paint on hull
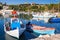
x=14 y=33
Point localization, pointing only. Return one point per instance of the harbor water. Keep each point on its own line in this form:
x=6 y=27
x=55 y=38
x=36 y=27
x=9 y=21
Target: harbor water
x=39 y=23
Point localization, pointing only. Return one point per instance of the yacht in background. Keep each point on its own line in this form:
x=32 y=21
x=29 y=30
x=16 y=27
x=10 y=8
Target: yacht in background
x=43 y=16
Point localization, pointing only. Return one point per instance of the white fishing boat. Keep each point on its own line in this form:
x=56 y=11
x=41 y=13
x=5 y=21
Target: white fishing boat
x=14 y=27
x=12 y=30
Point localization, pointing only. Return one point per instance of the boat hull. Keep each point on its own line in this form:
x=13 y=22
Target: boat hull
x=13 y=33
x=40 y=33
x=39 y=30
x=50 y=32
x=54 y=20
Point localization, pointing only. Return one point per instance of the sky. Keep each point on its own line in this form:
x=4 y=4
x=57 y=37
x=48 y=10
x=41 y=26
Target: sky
x=30 y=1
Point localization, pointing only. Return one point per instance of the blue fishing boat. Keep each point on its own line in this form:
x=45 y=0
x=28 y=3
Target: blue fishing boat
x=38 y=30
x=54 y=20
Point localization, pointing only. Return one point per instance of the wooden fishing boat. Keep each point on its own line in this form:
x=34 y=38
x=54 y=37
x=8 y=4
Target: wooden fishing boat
x=39 y=30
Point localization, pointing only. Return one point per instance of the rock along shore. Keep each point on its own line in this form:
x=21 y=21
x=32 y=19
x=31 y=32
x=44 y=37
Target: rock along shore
x=47 y=37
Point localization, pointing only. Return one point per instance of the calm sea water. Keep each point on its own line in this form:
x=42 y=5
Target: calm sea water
x=2 y=33
x=39 y=23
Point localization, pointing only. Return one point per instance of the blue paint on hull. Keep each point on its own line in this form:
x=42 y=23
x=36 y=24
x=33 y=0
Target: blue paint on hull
x=42 y=32
x=14 y=25
x=54 y=20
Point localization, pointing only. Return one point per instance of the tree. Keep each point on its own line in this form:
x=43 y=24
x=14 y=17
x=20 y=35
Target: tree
x=42 y=8
x=34 y=7
x=15 y=7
